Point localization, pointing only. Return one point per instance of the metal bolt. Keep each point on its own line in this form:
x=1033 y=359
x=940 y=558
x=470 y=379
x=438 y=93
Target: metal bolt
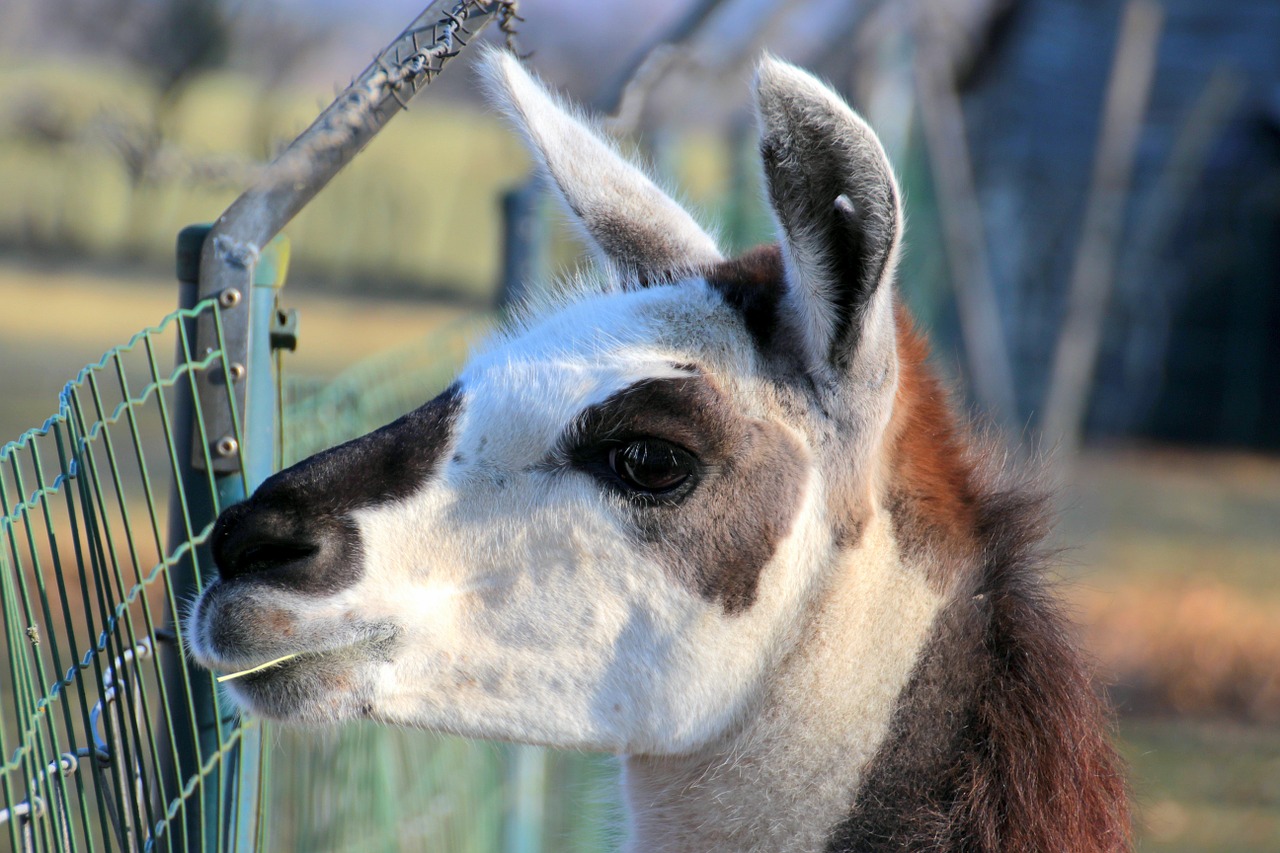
x=236 y=371
x=227 y=446
x=229 y=298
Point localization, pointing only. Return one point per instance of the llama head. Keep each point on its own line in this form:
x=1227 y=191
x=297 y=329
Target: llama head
x=604 y=533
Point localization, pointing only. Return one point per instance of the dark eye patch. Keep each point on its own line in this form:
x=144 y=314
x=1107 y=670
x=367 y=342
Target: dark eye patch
x=673 y=409
x=651 y=442
x=718 y=527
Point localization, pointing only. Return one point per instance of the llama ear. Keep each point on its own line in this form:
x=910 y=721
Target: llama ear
x=835 y=201
x=633 y=224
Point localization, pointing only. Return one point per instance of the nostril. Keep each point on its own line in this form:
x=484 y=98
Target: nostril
x=248 y=540
x=251 y=555
x=267 y=555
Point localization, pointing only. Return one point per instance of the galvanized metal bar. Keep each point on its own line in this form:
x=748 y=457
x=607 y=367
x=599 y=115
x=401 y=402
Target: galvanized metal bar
x=230 y=420
x=199 y=494
x=403 y=69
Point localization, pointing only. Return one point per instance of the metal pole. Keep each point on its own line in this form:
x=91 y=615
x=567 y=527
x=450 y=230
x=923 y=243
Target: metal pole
x=523 y=242
x=192 y=506
x=239 y=262
x=192 y=692
x=402 y=70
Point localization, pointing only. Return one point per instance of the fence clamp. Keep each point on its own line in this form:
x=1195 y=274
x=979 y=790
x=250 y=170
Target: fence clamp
x=244 y=282
x=284 y=329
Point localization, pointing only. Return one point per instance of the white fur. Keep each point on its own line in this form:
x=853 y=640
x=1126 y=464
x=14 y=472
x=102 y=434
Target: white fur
x=582 y=640
x=599 y=186
x=521 y=607
x=783 y=780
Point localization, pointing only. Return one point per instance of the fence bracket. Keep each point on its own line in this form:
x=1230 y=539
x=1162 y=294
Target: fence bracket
x=228 y=258
x=284 y=329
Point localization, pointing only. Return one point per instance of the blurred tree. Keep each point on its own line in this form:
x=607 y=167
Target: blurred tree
x=170 y=41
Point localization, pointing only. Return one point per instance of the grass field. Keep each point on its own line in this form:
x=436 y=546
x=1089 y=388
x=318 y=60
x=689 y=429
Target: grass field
x=1174 y=567
x=417 y=209
x=1174 y=570
x=56 y=319
x=425 y=191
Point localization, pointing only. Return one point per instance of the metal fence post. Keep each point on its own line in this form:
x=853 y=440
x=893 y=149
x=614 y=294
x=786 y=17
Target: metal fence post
x=239 y=261
x=224 y=813
x=523 y=242
x=523 y=248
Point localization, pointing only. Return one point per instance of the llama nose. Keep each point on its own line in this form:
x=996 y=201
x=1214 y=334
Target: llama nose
x=249 y=539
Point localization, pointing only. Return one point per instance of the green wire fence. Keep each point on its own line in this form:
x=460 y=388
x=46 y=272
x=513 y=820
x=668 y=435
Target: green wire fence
x=98 y=697
x=108 y=739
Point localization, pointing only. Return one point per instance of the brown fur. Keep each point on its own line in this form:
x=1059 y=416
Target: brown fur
x=931 y=495
x=752 y=283
x=748 y=495
x=1000 y=741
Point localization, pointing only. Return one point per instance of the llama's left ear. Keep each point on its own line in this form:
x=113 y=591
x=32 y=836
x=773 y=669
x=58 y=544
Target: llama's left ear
x=836 y=204
x=635 y=226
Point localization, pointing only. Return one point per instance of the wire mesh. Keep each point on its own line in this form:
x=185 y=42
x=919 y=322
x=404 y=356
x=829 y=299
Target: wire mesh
x=375 y=391
x=100 y=711
x=89 y=720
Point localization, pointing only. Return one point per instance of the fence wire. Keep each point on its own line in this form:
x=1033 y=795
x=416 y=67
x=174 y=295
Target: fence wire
x=89 y=720
x=94 y=520
x=99 y=709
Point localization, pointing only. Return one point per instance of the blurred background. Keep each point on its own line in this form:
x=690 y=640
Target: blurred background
x=1092 y=191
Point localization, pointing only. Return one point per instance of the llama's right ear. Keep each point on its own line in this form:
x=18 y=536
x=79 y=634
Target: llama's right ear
x=836 y=204
x=634 y=225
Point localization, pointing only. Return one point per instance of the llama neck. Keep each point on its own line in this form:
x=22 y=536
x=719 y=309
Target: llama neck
x=933 y=699
x=999 y=741
x=976 y=728
x=789 y=773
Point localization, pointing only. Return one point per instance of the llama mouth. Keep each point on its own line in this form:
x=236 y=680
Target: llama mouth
x=314 y=687
x=280 y=669
x=367 y=649
x=245 y=631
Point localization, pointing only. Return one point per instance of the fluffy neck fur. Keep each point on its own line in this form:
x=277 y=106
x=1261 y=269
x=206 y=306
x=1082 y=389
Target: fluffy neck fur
x=957 y=715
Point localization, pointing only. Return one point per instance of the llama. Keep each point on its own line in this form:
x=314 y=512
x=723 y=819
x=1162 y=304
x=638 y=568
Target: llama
x=714 y=516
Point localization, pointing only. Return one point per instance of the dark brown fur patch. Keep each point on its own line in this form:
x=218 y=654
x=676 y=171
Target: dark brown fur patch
x=296 y=530
x=1000 y=741
x=753 y=284
x=720 y=536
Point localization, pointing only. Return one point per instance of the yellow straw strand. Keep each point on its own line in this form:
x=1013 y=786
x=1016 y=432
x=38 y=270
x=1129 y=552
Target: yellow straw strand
x=257 y=668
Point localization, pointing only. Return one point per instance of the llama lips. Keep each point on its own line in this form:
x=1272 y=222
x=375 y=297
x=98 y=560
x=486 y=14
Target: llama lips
x=259 y=668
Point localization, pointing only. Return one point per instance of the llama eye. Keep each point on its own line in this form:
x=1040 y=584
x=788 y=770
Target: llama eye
x=651 y=465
